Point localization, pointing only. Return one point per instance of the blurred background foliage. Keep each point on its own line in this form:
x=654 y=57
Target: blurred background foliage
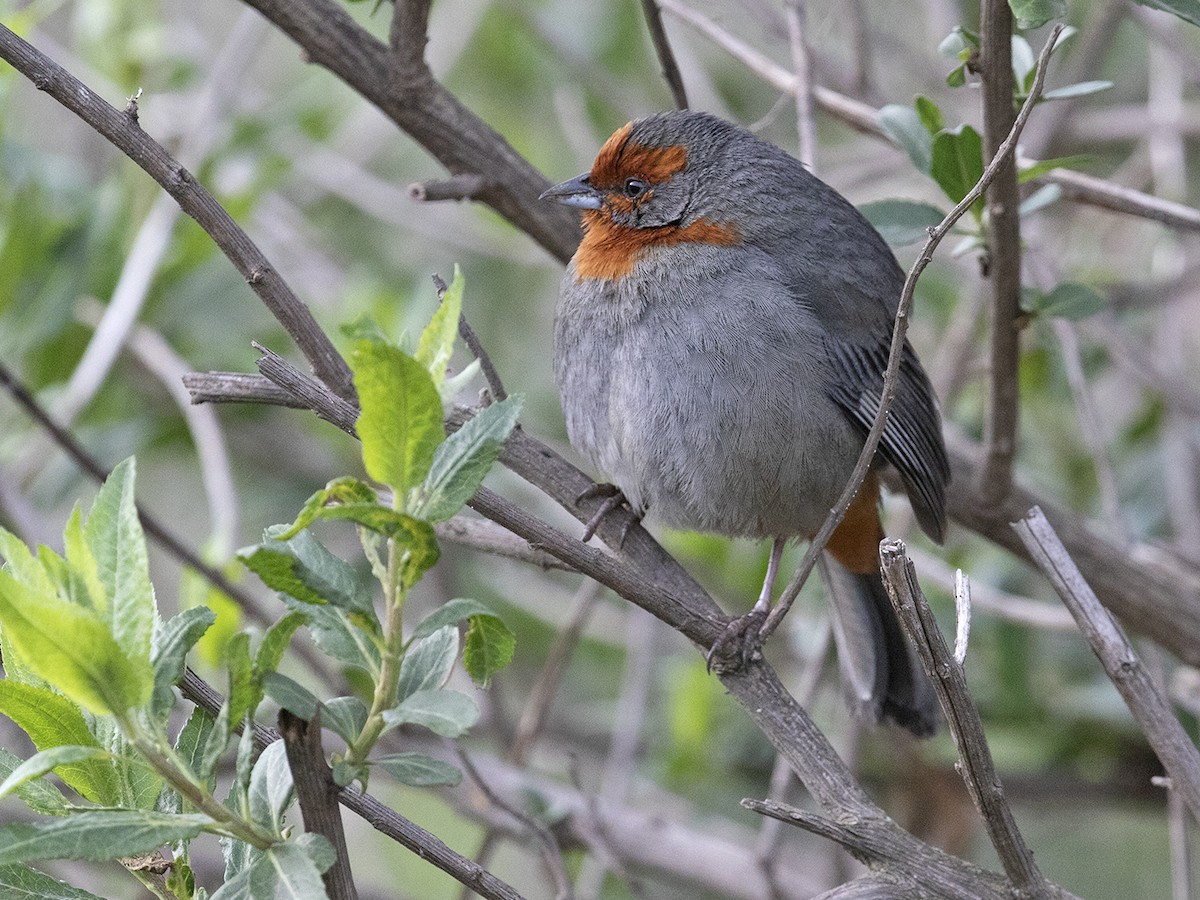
x=319 y=179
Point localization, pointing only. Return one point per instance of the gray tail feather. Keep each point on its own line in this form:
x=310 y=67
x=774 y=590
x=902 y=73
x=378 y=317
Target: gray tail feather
x=882 y=674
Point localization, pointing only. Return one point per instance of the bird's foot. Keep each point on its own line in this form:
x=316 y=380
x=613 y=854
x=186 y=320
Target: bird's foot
x=738 y=644
x=613 y=499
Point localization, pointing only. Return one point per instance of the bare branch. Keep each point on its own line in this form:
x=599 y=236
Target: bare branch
x=198 y=203
x=666 y=56
x=1150 y=708
x=466 y=186
x=1004 y=248
x=891 y=375
x=950 y=684
x=805 y=128
x=237 y=387
x=308 y=391
x=318 y=797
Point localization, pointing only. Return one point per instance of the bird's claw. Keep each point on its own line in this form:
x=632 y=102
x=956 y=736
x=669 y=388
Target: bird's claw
x=613 y=499
x=738 y=644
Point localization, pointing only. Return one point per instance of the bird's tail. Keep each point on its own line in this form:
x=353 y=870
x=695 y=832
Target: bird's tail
x=885 y=680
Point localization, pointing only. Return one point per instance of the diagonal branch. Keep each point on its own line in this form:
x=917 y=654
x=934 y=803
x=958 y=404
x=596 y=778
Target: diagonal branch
x=666 y=56
x=950 y=683
x=123 y=131
x=1150 y=708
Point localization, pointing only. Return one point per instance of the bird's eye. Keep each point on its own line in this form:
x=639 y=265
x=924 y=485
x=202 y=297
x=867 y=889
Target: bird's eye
x=634 y=188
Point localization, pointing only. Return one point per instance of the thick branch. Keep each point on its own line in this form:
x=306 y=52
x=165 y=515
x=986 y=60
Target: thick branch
x=317 y=796
x=410 y=96
x=1004 y=250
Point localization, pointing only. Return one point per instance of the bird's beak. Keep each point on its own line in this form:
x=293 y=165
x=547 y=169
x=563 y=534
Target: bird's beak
x=577 y=192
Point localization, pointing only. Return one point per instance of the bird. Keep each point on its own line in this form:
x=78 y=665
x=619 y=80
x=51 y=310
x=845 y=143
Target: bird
x=720 y=341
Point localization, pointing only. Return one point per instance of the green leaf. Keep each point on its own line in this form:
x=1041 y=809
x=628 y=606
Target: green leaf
x=271 y=789
x=51 y=720
x=303 y=568
x=904 y=126
x=171 y=646
x=444 y=712
x=414 y=535
x=1188 y=10
x=211 y=751
x=339 y=491
x=1040 y=199
x=115 y=537
x=84 y=570
x=40 y=796
x=244 y=694
x=364 y=328
x=275 y=642
x=1036 y=13
x=428 y=662
x=18 y=881
x=193 y=743
x=297 y=868
x=1071 y=300
x=334 y=632
x=291 y=695
x=930 y=115
x=489 y=648
x=450 y=613
x=437 y=340
x=47 y=761
x=957 y=76
x=1023 y=60
x=1080 y=89
x=902 y=222
x=21 y=562
x=1038 y=169
x=464 y=458
x=345 y=716
x=70 y=648
x=958 y=163
x=401 y=420
x=96 y=835
x=418 y=770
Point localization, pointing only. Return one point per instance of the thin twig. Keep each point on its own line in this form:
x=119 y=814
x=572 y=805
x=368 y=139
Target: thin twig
x=806 y=130
x=466 y=186
x=666 y=56
x=950 y=684
x=127 y=136
x=550 y=851
x=1150 y=708
x=962 y=616
x=891 y=375
x=311 y=393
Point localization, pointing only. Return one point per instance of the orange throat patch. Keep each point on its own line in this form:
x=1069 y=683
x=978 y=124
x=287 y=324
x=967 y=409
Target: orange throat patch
x=610 y=251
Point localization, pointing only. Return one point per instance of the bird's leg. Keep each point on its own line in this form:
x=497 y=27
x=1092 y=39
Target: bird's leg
x=739 y=641
x=613 y=499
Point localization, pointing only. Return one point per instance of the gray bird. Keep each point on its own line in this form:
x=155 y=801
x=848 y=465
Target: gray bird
x=719 y=348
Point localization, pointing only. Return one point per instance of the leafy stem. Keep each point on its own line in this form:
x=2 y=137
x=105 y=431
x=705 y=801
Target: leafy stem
x=157 y=751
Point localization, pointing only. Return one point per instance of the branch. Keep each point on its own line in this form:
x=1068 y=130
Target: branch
x=950 y=683
x=122 y=130
x=666 y=56
x=1150 y=708
x=1004 y=249
x=806 y=130
x=318 y=797
x=892 y=374
x=406 y=92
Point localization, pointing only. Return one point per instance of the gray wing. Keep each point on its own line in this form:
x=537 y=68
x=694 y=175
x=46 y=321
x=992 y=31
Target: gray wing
x=912 y=437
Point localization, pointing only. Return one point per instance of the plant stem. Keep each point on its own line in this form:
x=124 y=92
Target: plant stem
x=394 y=595
x=162 y=757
